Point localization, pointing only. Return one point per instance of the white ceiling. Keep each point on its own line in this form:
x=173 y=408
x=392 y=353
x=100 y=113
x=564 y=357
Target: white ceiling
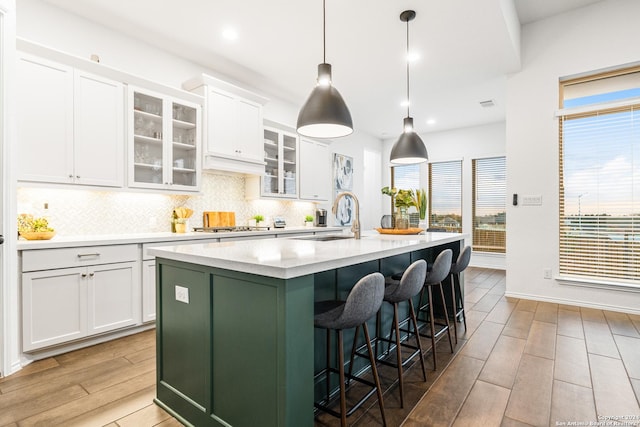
x=466 y=48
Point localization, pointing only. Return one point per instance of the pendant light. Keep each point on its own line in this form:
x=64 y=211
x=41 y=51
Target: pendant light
x=324 y=114
x=409 y=148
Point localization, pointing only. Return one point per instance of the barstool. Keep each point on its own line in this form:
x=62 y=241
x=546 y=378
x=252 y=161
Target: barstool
x=457 y=299
x=409 y=286
x=439 y=271
x=362 y=303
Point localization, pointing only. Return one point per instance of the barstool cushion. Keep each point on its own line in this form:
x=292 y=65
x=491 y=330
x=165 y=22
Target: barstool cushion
x=409 y=284
x=363 y=302
x=462 y=262
x=441 y=267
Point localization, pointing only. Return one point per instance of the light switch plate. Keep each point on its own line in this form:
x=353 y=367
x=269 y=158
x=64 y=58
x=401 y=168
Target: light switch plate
x=182 y=294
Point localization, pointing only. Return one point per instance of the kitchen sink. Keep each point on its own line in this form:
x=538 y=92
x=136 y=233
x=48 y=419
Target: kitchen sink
x=321 y=238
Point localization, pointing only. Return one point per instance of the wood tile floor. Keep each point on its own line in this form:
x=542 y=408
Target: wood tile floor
x=520 y=363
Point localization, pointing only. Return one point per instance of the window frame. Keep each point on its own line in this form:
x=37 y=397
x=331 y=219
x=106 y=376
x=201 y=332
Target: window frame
x=477 y=245
x=567 y=274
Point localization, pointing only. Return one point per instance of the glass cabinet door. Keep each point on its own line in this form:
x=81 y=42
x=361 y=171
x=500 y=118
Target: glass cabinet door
x=184 y=153
x=281 y=164
x=289 y=164
x=147 y=138
x=270 y=179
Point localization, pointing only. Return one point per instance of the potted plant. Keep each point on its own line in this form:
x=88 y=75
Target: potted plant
x=308 y=220
x=420 y=202
x=402 y=200
x=258 y=219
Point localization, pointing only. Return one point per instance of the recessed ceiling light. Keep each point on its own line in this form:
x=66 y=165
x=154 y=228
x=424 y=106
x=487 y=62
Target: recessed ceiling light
x=230 y=34
x=431 y=122
x=413 y=56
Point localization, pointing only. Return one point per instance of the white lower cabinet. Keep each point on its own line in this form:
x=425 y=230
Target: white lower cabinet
x=73 y=293
x=149 y=290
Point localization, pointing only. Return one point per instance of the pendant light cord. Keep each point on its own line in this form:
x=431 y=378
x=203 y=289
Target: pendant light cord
x=324 y=32
x=407 y=59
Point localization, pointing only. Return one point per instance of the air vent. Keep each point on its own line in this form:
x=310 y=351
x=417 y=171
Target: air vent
x=487 y=104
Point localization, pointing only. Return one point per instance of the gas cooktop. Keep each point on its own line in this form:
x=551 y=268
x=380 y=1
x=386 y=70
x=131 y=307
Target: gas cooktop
x=230 y=229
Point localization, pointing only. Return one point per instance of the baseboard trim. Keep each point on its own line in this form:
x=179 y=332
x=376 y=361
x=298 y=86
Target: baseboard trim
x=584 y=304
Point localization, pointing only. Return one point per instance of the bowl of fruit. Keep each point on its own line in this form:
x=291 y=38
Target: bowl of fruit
x=34 y=228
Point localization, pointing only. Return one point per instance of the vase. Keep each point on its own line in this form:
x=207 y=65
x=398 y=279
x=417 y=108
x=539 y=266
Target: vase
x=402 y=219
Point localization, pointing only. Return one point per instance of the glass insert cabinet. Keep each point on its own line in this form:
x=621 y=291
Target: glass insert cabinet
x=164 y=139
x=280 y=177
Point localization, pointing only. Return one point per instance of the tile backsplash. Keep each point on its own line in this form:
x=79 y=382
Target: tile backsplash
x=88 y=212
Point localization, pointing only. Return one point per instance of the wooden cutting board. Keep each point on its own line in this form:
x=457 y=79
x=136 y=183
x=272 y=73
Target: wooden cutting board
x=218 y=219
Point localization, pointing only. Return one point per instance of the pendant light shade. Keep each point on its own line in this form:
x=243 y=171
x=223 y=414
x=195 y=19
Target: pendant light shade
x=324 y=114
x=409 y=148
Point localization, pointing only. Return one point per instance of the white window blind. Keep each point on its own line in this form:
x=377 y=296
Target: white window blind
x=489 y=204
x=600 y=194
x=445 y=195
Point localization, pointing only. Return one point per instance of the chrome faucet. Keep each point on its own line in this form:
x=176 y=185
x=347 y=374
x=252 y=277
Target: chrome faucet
x=355 y=225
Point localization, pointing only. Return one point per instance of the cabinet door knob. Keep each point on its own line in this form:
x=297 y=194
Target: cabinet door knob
x=91 y=274
x=70 y=175
x=84 y=274
x=78 y=176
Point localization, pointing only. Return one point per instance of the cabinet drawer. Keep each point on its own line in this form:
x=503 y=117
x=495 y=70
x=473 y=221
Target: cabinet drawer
x=49 y=259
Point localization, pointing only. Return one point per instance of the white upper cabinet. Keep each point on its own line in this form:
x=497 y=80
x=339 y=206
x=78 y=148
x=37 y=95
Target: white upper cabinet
x=98 y=130
x=233 y=126
x=70 y=125
x=164 y=141
x=315 y=171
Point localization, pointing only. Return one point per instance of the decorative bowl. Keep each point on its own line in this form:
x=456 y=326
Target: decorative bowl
x=37 y=235
x=400 y=230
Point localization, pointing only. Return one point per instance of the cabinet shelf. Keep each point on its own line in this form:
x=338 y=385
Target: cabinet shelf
x=183 y=146
x=285 y=148
x=183 y=125
x=147 y=166
x=184 y=170
x=151 y=116
x=288 y=162
x=147 y=139
x=269 y=143
x=270 y=160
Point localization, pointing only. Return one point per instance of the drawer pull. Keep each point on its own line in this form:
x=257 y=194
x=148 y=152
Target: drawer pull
x=88 y=255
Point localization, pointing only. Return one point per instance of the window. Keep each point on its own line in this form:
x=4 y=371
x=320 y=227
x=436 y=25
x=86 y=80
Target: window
x=489 y=204
x=445 y=195
x=600 y=177
x=405 y=177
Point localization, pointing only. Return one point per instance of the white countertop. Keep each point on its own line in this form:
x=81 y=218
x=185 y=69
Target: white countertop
x=289 y=257
x=121 y=239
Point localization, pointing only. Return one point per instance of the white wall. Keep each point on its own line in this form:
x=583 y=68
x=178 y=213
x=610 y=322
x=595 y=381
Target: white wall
x=599 y=36
x=460 y=144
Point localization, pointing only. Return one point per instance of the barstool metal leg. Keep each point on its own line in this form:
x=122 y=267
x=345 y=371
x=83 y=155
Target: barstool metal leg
x=432 y=323
x=374 y=369
x=398 y=353
x=343 y=394
x=415 y=325
x=446 y=316
x=454 y=305
x=328 y=365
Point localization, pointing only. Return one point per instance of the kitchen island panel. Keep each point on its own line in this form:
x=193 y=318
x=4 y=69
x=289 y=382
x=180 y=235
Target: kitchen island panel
x=244 y=365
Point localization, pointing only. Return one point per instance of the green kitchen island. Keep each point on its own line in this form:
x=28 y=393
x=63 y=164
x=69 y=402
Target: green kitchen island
x=236 y=344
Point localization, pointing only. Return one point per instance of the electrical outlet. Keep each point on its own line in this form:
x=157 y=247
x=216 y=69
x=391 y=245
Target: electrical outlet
x=547 y=273
x=182 y=294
